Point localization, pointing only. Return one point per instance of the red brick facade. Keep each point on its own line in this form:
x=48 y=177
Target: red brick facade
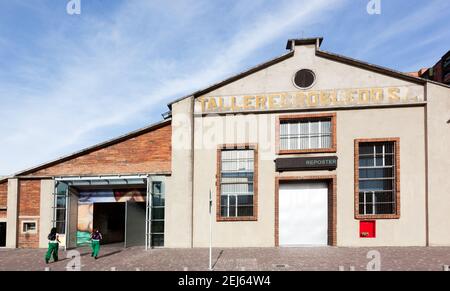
x=149 y=152
x=141 y=152
x=3 y=198
x=28 y=210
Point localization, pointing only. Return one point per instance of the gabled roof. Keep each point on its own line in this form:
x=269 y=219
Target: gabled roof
x=320 y=53
x=370 y=67
x=236 y=77
x=94 y=148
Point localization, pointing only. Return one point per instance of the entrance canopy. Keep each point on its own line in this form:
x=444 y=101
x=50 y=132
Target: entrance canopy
x=104 y=181
x=141 y=227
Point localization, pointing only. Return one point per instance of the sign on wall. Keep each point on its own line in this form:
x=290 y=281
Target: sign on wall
x=309 y=163
x=310 y=99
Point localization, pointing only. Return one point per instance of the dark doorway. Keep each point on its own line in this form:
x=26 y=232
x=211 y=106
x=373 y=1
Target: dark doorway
x=135 y=224
x=109 y=218
x=2 y=234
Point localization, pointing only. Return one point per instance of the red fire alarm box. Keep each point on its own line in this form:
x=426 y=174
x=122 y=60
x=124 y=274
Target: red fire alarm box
x=367 y=229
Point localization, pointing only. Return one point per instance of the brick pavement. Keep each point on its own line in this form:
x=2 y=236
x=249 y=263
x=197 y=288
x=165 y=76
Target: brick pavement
x=250 y=259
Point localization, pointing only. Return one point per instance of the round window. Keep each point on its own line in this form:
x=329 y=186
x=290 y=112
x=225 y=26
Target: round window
x=304 y=79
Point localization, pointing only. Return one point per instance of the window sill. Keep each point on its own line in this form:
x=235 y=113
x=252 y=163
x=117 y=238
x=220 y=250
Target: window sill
x=377 y=216
x=236 y=219
x=29 y=233
x=310 y=151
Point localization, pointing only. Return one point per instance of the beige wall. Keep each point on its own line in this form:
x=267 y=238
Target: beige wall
x=438 y=113
x=408 y=125
x=178 y=224
x=405 y=123
x=330 y=75
x=46 y=213
x=12 y=214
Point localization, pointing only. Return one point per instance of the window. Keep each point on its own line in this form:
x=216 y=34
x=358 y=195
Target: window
x=59 y=207
x=377 y=179
x=304 y=79
x=29 y=227
x=158 y=214
x=237 y=194
x=307 y=133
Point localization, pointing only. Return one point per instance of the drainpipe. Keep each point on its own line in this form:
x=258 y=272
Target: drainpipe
x=192 y=168
x=427 y=220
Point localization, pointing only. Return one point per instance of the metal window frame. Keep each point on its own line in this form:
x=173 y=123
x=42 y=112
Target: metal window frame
x=393 y=178
x=55 y=207
x=149 y=211
x=29 y=221
x=235 y=195
x=289 y=137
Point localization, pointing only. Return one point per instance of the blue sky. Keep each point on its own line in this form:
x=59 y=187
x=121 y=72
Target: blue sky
x=68 y=82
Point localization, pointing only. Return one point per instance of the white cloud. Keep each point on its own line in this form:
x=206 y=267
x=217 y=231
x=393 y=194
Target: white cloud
x=415 y=20
x=112 y=71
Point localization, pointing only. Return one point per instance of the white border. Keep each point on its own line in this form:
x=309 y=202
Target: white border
x=36 y=231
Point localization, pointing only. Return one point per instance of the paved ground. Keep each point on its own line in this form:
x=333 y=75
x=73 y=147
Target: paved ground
x=291 y=259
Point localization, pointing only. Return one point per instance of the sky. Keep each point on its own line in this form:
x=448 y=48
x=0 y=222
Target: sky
x=68 y=82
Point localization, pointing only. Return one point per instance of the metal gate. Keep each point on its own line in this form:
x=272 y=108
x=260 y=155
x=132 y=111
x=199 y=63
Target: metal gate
x=155 y=212
x=303 y=214
x=72 y=219
x=135 y=224
x=60 y=202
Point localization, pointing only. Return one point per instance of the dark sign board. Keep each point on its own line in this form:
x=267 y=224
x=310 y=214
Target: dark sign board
x=310 y=163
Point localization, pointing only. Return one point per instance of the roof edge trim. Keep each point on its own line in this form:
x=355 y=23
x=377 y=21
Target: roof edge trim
x=236 y=77
x=375 y=68
x=94 y=148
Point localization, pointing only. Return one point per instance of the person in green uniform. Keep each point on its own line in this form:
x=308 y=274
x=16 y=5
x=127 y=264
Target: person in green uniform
x=96 y=237
x=53 y=245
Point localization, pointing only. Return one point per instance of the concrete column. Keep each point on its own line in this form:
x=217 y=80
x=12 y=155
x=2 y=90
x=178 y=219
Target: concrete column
x=46 y=213
x=12 y=212
x=178 y=224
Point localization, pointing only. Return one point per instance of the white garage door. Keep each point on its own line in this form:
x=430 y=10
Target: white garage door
x=303 y=214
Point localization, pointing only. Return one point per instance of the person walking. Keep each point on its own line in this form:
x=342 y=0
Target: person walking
x=96 y=237
x=53 y=246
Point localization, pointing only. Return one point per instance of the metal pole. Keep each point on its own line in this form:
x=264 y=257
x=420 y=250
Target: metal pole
x=126 y=222
x=210 y=231
x=66 y=223
x=147 y=204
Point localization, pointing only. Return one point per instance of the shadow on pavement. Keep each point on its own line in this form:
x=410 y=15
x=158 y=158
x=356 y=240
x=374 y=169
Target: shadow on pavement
x=217 y=260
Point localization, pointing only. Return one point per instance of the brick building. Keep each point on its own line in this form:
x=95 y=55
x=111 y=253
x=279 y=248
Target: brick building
x=310 y=148
x=440 y=72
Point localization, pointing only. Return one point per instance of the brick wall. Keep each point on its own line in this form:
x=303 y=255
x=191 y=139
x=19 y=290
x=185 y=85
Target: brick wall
x=28 y=210
x=3 y=198
x=146 y=153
